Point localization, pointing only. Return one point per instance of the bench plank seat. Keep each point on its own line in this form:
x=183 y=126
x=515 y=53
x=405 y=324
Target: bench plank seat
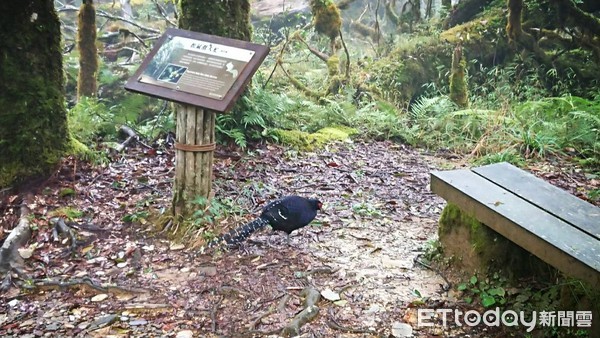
x=550 y=238
x=553 y=200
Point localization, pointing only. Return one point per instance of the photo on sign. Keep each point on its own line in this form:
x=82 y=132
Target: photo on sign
x=170 y=50
x=172 y=73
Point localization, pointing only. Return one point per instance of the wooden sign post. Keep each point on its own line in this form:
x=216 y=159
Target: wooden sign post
x=205 y=74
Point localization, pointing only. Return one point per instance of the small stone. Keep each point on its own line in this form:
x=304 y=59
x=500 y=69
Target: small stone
x=175 y=247
x=138 y=322
x=99 y=297
x=401 y=330
x=330 y=295
x=52 y=327
x=184 y=334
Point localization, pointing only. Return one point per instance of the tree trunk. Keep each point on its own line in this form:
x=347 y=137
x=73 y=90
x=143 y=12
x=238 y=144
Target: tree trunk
x=88 y=54
x=195 y=125
x=519 y=38
x=33 y=121
x=223 y=18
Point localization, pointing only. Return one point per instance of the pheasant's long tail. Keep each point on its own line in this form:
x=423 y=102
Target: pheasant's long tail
x=237 y=235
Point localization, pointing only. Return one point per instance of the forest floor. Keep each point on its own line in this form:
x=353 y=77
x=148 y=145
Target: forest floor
x=126 y=279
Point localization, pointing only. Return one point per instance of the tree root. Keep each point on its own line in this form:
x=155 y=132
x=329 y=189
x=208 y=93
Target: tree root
x=61 y=227
x=10 y=260
x=310 y=312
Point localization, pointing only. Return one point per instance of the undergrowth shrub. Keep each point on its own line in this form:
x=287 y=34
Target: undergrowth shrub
x=538 y=128
x=88 y=118
x=263 y=111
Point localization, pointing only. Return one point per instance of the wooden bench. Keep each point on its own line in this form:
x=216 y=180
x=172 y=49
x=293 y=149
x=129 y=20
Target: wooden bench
x=555 y=226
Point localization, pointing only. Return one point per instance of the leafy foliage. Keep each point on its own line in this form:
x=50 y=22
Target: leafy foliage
x=487 y=291
x=88 y=118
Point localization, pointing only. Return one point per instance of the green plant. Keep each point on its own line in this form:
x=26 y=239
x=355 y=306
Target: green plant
x=210 y=212
x=138 y=216
x=594 y=194
x=88 y=118
x=488 y=292
x=366 y=209
x=507 y=155
x=432 y=251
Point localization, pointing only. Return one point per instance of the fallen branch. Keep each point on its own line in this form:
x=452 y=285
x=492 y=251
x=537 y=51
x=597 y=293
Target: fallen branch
x=131 y=135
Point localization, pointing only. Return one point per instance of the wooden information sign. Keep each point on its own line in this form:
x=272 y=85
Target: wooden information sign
x=198 y=69
x=205 y=74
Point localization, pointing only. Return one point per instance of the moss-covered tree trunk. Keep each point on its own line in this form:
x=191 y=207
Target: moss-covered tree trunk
x=88 y=54
x=458 y=81
x=518 y=38
x=33 y=122
x=223 y=18
x=195 y=125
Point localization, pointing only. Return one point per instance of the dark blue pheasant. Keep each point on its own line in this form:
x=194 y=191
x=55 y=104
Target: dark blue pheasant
x=285 y=214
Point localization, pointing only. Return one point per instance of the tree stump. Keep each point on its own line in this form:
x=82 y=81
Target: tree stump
x=195 y=144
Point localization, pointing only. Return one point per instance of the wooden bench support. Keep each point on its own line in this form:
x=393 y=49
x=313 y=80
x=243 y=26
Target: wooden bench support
x=555 y=226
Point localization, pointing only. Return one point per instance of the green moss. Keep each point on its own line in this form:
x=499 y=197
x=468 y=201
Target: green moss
x=326 y=18
x=294 y=138
x=308 y=141
x=333 y=65
x=33 y=127
x=67 y=212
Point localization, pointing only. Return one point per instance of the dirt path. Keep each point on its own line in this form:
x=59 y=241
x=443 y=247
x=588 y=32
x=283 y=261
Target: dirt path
x=379 y=216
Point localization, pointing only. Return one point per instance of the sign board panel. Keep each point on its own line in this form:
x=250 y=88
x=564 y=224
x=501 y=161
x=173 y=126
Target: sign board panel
x=198 y=69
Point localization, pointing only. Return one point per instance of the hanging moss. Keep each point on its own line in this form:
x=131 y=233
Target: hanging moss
x=88 y=55
x=326 y=17
x=223 y=18
x=33 y=123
